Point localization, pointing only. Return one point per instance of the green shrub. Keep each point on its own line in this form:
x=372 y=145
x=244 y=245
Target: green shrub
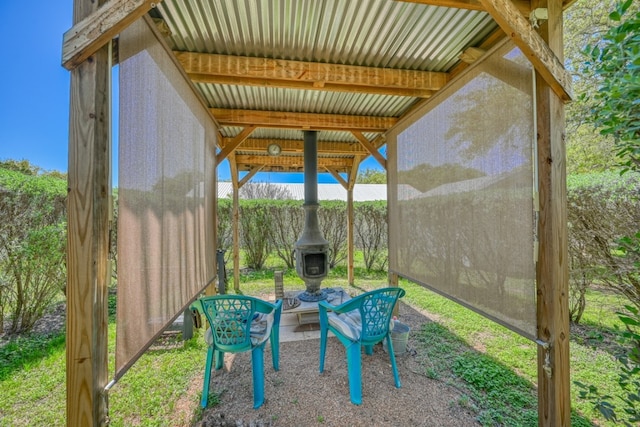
x=602 y=209
x=32 y=246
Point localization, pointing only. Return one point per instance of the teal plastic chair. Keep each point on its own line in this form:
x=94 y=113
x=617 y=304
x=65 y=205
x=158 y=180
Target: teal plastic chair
x=361 y=321
x=237 y=324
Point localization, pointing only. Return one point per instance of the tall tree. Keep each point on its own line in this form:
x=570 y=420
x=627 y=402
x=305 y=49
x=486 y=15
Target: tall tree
x=614 y=63
x=586 y=24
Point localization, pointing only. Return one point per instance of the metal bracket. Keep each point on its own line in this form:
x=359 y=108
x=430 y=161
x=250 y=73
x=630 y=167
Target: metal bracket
x=547 y=357
x=539 y=14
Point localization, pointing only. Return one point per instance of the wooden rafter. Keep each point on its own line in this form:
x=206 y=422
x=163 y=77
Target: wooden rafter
x=307 y=121
x=234 y=142
x=487 y=44
x=259 y=145
x=370 y=148
x=254 y=170
x=234 y=70
x=336 y=174
x=532 y=45
x=94 y=31
x=290 y=162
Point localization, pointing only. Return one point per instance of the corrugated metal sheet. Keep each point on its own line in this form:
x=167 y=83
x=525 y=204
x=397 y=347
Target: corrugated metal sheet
x=361 y=192
x=303 y=101
x=377 y=33
x=374 y=33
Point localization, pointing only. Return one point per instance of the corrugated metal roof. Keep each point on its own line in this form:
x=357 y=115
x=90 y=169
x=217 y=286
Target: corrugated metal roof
x=361 y=192
x=303 y=101
x=377 y=33
x=380 y=34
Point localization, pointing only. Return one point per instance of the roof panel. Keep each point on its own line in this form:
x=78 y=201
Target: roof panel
x=303 y=101
x=378 y=33
x=373 y=33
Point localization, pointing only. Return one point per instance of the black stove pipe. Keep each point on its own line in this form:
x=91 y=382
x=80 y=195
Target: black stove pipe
x=310 y=167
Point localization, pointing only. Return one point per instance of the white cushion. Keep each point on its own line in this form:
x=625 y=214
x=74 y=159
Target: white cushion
x=261 y=327
x=349 y=323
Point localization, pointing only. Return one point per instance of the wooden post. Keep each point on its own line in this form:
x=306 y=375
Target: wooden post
x=89 y=206
x=352 y=177
x=554 y=403
x=393 y=282
x=236 y=223
x=350 y=240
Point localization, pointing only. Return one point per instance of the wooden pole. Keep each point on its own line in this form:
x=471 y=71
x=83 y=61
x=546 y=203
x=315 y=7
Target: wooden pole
x=350 y=240
x=89 y=207
x=235 y=218
x=352 y=177
x=554 y=403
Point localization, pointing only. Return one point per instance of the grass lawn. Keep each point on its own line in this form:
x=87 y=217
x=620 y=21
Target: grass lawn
x=494 y=368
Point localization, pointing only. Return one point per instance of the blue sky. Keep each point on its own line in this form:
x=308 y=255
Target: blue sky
x=34 y=90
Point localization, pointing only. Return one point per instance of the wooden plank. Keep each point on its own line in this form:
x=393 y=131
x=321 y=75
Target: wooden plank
x=554 y=404
x=338 y=177
x=296 y=162
x=89 y=207
x=290 y=146
x=371 y=149
x=305 y=121
x=233 y=143
x=254 y=170
x=235 y=215
x=353 y=176
x=532 y=45
x=487 y=44
x=93 y=31
x=268 y=72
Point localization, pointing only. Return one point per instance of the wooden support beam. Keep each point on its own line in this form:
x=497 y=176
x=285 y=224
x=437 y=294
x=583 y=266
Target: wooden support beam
x=96 y=29
x=267 y=72
x=289 y=146
x=338 y=177
x=233 y=143
x=88 y=217
x=351 y=243
x=305 y=121
x=235 y=219
x=371 y=149
x=254 y=170
x=554 y=401
x=495 y=37
x=471 y=54
x=290 y=162
x=532 y=45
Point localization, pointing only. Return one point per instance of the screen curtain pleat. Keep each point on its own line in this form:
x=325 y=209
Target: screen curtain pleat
x=462 y=192
x=166 y=194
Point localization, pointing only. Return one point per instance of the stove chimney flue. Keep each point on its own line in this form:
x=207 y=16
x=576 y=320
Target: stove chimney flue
x=311 y=249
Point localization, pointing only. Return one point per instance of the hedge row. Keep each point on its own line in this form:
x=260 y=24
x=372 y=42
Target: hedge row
x=271 y=227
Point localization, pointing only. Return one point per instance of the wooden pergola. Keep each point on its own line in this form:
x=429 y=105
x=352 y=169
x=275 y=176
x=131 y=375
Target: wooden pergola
x=349 y=136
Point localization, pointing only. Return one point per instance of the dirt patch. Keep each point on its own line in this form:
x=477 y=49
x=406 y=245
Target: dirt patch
x=298 y=395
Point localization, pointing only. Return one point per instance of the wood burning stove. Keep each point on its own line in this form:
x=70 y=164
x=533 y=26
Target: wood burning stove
x=311 y=249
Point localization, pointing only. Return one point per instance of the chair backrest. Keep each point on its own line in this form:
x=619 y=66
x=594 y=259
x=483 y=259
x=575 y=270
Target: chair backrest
x=230 y=319
x=376 y=310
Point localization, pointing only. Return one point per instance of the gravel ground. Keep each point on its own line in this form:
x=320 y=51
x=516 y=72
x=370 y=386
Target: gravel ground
x=298 y=395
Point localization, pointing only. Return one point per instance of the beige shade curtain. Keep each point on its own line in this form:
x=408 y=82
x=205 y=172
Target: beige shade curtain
x=166 y=193
x=461 y=191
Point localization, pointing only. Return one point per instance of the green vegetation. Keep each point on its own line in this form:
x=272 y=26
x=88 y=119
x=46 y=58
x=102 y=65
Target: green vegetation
x=489 y=364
